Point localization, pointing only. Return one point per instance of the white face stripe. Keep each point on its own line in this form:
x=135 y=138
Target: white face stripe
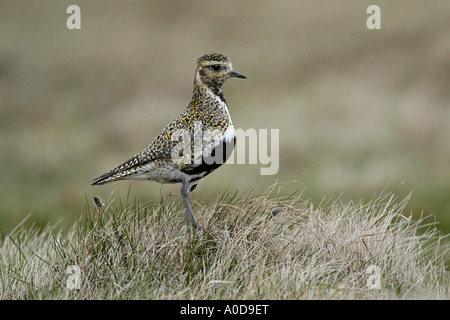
x=229 y=66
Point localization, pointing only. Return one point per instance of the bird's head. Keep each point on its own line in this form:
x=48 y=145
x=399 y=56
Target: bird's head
x=213 y=69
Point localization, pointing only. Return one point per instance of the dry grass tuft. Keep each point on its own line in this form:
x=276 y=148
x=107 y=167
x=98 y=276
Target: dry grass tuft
x=256 y=247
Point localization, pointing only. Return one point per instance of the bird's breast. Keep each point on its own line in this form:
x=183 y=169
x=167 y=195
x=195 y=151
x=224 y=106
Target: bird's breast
x=229 y=134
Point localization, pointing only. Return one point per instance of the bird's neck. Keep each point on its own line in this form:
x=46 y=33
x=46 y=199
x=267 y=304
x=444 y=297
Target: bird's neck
x=203 y=95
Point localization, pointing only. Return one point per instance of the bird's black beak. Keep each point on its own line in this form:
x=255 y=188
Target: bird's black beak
x=237 y=75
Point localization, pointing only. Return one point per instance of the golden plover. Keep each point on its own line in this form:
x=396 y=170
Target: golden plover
x=206 y=132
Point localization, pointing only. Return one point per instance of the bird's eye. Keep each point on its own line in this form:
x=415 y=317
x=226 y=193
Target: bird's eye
x=215 y=67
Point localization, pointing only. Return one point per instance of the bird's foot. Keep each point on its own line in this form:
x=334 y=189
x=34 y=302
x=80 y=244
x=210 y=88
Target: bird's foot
x=199 y=228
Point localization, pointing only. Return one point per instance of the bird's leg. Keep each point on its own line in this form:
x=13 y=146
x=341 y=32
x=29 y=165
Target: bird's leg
x=190 y=220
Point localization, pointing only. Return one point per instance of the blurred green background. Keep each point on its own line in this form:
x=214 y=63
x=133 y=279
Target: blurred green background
x=357 y=109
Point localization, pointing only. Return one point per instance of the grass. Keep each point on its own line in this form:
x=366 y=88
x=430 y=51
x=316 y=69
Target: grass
x=263 y=246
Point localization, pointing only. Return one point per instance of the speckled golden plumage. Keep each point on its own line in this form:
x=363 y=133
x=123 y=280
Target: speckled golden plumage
x=208 y=109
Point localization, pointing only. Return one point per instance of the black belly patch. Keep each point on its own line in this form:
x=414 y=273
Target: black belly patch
x=219 y=156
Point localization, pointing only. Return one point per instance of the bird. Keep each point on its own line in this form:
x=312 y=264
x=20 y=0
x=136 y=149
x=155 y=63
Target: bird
x=194 y=144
